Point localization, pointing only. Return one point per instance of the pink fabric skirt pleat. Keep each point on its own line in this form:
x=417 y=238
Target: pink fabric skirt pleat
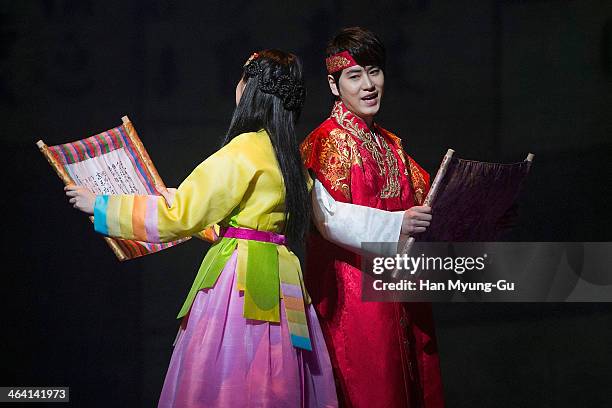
x=221 y=359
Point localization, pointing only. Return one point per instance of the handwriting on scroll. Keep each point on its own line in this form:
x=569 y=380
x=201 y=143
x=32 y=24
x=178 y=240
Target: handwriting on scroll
x=110 y=173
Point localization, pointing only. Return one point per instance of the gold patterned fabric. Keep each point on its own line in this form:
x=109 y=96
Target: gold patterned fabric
x=381 y=152
x=362 y=165
x=339 y=61
x=380 y=175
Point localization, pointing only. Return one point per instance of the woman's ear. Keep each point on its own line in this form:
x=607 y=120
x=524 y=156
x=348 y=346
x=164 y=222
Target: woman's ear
x=333 y=86
x=240 y=90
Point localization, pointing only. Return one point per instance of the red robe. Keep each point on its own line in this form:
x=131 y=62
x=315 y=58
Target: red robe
x=383 y=354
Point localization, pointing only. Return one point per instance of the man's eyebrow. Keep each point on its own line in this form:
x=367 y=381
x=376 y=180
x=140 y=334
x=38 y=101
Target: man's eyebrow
x=354 y=70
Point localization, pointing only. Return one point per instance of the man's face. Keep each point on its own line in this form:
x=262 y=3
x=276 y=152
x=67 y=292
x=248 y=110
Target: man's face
x=360 y=89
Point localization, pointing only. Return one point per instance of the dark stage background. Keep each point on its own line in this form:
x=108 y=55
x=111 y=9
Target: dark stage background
x=492 y=79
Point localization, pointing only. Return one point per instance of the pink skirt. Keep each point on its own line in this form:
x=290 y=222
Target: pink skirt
x=221 y=359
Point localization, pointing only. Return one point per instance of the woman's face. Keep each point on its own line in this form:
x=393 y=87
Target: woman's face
x=239 y=89
x=360 y=89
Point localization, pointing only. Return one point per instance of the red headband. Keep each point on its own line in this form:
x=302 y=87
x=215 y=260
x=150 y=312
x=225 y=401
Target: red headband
x=339 y=61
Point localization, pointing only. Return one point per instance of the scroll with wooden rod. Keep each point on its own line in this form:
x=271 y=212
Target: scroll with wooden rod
x=431 y=195
x=111 y=162
x=472 y=201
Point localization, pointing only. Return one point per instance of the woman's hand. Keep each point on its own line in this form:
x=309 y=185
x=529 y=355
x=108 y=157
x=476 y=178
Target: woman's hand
x=167 y=193
x=416 y=219
x=81 y=198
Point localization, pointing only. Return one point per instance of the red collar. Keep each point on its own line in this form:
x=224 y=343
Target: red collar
x=351 y=122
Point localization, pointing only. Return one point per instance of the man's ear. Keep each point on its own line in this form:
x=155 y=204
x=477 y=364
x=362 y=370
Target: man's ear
x=333 y=86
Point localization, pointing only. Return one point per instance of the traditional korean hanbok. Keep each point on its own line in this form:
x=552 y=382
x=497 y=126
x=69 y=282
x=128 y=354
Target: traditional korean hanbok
x=383 y=354
x=249 y=336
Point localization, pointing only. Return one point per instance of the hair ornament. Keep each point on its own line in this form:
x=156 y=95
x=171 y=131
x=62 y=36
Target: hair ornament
x=253 y=56
x=290 y=91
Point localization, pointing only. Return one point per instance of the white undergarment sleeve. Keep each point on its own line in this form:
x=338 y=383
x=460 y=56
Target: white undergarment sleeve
x=348 y=225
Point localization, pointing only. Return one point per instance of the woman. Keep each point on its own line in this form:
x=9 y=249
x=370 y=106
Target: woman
x=249 y=336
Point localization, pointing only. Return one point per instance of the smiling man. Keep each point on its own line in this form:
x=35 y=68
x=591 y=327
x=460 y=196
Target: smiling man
x=383 y=354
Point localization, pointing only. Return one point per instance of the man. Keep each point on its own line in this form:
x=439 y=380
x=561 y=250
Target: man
x=383 y=354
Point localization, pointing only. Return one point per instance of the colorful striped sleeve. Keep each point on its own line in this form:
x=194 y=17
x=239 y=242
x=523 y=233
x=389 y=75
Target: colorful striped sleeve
x=207 y=196
x=128 y=216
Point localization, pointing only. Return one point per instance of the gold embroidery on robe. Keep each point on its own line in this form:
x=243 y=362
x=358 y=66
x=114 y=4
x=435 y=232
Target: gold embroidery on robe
x=335 y=161
x=391 y=188
x=356 y=157
x=306 y=151
x=419 y=185
x=402 y=157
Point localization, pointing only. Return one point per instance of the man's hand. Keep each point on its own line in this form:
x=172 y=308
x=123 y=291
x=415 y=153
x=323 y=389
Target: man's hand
x=416 y=219
x=81 y=198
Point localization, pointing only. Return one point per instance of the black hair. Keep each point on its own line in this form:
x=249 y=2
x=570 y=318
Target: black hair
x=363 y=45
x=272 y=99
